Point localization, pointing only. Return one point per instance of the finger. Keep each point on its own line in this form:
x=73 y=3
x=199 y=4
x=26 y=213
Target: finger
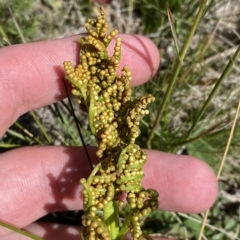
x=50 y=231
x=47 y=231
x=32 y=74
x=39 y=180
x=185 y=184
x=46 y=179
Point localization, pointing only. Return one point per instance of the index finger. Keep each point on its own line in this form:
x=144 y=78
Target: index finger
x=31 y=74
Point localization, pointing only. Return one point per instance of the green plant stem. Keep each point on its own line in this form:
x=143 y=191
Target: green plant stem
x=174 y=34
x=5 y=37
x=111 y=218
x=176 y=70
x=16 y=24
x=226 y=71
x=22 y=232
x=221 y=165
x=78 y=128
x=147 y=237
x=200 y=135
x=19 y=135
x=41 y=127
x=124 y=228
x=8 y=145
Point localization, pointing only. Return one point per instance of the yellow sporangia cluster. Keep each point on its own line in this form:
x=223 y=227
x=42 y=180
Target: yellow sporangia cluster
x=114 y=120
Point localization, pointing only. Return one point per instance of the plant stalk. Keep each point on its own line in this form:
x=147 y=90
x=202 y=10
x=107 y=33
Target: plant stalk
x=176 y=71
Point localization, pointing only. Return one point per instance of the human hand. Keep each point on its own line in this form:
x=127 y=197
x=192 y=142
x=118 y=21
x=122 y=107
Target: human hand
x=42 y=179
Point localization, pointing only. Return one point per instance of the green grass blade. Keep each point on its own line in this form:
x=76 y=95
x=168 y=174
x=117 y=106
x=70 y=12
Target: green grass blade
x=16 y=24
x=173 y=30
x=4 y=35
x=16 y=134
x=176 y=70
x=9 y=145
x=26 y=132
x=221 y=165
x=32 y=113
x=226 y=71
x=20 y=231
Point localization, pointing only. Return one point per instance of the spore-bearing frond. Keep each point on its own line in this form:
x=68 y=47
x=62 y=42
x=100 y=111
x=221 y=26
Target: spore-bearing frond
x=114 y=120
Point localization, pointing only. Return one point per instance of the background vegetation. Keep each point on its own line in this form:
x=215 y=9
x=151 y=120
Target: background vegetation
x=187 y=124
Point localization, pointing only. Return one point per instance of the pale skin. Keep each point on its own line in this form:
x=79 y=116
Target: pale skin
x=42 y=179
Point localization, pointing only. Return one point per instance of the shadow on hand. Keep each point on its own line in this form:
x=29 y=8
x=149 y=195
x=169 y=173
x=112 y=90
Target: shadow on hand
x=66 y=190
x=59 y=232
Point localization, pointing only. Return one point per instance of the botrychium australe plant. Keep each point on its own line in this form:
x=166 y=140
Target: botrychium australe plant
x=114 y=121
